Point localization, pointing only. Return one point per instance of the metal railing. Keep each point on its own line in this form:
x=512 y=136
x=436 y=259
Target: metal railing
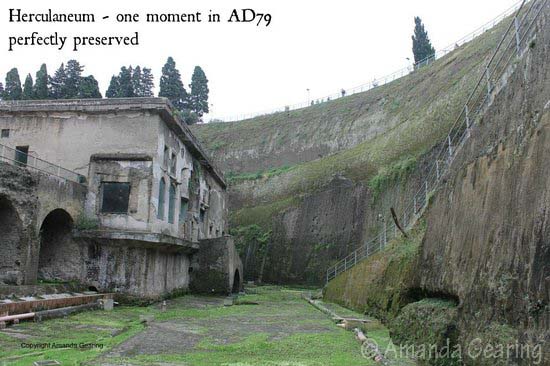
x=24 y=160
x=381 y=80
x=514 y=41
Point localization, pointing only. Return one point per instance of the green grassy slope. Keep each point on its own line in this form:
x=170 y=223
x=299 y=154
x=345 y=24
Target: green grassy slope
x=370 y=129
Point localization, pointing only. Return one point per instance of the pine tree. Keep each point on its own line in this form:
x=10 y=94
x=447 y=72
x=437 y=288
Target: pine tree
x=41 y=85
x=1 y=91
x=199 y=92
x=88 y=88
x=114 y=88
x=28 y=88
x=12 y=90
x=146 y=83
x=125 y=86
x=58 y=83
x=171 y=86
x=422 y=47
x=74 y=76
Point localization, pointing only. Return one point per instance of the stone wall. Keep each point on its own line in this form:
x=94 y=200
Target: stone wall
x=217 y=268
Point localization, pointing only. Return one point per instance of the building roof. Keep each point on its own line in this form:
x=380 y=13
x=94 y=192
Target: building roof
x=160 y=106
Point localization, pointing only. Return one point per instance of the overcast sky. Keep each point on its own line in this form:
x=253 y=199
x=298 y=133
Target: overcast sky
x=318 y=45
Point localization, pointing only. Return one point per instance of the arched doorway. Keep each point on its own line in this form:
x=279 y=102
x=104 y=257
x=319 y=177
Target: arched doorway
x=10 y=244
x=59 y=256
x=236 y=282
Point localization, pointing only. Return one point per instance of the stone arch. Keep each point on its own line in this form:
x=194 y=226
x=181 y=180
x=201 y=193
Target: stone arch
x=59 y=257
x=11 y=234
x=236 y=282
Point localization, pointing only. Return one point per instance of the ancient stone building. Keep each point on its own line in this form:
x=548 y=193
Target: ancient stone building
x=129 y=211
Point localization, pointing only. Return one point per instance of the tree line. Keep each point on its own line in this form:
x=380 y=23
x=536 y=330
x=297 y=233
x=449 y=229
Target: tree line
x=68 y=82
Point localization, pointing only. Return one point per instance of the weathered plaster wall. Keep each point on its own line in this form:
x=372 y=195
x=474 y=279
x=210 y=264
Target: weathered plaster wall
x=133 y=169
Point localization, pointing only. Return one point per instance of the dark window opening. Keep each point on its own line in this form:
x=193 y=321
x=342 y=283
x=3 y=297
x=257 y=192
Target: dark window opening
x=202 y=215
x=5 y=133
x=21 y=155
x=162 y=188
x=171 y=203
x=184 y=205
x=173 y=162
x=115 y=197
x=166 y=156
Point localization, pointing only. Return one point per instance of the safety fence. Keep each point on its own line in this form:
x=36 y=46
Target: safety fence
x=23 y=159
x=381 y=80
x=514 y=41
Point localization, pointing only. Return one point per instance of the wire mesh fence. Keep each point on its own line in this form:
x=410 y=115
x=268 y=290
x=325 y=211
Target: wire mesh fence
x=22 y=159
x=380 y=81
x=513 y=42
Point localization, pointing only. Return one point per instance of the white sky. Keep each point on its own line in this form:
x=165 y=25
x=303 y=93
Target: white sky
x=321 y=45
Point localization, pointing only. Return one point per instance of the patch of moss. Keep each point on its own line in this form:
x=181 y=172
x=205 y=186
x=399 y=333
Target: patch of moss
x=261 y=215
x=395 y=172
x=234 y=178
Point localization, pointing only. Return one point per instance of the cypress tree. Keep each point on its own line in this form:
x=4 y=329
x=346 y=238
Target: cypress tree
x=422 y=47
x=58 y=83
x=114 y=88
x=74 y=76
x=28 y=88
x=171 y=86
x=136 y=82
x=41 y=87
x=12 y=90
x=146 y=83
x=199 y=92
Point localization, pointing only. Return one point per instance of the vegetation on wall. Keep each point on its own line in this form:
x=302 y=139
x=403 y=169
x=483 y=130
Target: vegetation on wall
x=233 y=178
x=381 y=284
x=396 y=172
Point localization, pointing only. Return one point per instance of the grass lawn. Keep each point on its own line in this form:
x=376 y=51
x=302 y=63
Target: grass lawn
x=271 y=326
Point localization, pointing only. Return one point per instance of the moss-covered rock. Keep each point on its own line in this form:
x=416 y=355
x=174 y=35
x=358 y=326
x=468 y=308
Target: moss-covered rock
x=380 y=285
x=430 y=327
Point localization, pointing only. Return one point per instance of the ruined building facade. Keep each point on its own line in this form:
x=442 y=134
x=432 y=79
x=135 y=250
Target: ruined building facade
x=140 y=209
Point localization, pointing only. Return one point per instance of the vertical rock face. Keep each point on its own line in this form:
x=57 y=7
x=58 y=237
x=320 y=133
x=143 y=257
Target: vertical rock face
x=488 y=230
x=326 y=222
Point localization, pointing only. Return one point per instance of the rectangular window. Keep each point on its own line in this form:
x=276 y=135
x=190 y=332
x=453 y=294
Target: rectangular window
x=115 y=197
x=184 y=205
x=202 y=215
x=21 y=155
x=5 y=133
